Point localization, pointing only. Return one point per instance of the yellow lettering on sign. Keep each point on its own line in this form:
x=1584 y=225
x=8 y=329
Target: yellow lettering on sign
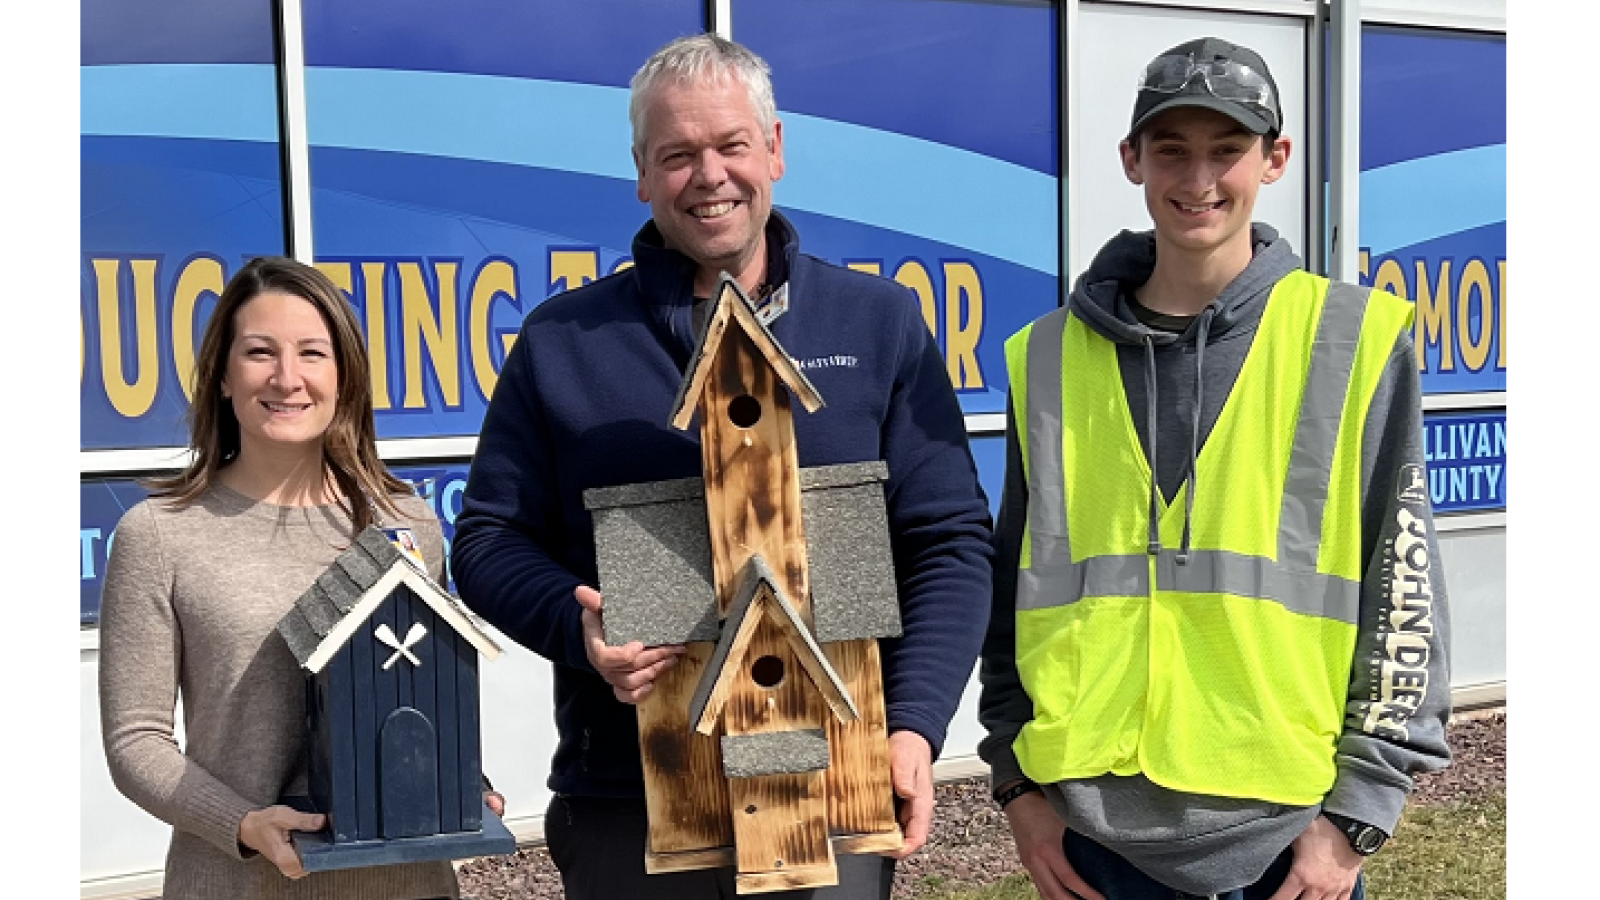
x=373 y=281
x=496 y=279
x=201 y=275
x=962 y=333
x=425 y=321
x=869 y=266
x=572 y=268
x=1433 y=317
x=340 y=273
x=1501 y=319
x=130 y=400
x=914 y=275
x=1475 y=345
x=622 y=265
x=1392 y=278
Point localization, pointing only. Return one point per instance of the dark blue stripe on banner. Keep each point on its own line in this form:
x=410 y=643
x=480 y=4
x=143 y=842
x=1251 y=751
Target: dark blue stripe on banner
x=1425 y=92
x=590 y=41
x=975 y=75
x=117 y=32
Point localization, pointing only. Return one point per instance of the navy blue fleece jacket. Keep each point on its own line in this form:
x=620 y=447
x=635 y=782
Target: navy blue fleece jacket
x=583 y=401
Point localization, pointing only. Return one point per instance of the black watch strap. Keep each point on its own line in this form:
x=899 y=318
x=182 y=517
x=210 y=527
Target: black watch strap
x=1364 y=839
x=1005 y=795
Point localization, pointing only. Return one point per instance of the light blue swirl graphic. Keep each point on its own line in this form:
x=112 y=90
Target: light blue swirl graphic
x=921 y=188
x=215 y=102
x=888 y=180
x=1419 y=200
x=558 y=125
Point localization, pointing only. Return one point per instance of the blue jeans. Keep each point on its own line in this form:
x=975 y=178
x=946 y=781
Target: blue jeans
x=1117 y=878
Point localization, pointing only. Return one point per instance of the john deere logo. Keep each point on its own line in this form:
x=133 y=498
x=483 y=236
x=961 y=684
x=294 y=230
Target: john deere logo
x=1413 y=484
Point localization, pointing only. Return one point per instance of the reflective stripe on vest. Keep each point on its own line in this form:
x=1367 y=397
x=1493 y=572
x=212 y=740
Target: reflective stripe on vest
x=1225 y=675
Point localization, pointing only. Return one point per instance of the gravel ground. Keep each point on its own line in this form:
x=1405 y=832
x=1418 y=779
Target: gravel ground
x=971 y=844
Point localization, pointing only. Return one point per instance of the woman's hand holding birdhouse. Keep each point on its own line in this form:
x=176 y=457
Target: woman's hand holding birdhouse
x=266 y=831
x=493 y=799
x=631 y=669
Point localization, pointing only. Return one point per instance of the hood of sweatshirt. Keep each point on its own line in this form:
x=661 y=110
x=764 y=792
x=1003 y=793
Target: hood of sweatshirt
x=1099 y=299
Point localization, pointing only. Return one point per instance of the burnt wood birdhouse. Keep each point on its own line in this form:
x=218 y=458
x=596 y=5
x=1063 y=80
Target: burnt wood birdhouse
x=393 y=739
x=765 y=748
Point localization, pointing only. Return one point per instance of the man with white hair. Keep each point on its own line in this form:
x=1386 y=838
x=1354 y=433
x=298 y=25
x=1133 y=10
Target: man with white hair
x=584 y=401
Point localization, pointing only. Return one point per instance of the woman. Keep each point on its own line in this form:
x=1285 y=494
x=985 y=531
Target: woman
x=284 y=472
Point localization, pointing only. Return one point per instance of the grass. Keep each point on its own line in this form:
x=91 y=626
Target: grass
x=1448 y=852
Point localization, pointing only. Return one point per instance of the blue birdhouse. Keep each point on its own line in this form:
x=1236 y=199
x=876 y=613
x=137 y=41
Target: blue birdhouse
x=393 y=740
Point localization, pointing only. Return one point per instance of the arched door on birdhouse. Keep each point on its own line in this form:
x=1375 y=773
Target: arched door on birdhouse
x=408 y=775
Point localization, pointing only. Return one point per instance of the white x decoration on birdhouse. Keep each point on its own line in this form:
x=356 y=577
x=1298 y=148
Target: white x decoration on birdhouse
x=385 y=636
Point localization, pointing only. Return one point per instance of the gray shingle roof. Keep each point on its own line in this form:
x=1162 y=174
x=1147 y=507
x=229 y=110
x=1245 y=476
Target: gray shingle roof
x=653 y=550
x=774 y=753
x=321 y=611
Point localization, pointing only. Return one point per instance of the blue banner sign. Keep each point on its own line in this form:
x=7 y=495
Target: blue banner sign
x=103 y=502
x=1466 y=457
x=458 y=181
x=1433 y=195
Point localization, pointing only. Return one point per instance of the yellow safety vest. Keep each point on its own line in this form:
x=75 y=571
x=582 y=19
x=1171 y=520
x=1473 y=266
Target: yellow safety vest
x=1225 y=674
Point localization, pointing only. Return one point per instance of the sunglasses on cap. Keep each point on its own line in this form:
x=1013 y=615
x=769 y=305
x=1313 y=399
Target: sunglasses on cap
x=1223 y=79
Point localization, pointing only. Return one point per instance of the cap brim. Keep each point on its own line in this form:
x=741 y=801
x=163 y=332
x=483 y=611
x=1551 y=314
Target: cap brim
x=1255 y=124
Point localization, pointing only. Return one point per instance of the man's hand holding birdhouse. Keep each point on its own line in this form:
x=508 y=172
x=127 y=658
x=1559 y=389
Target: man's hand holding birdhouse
x=631 y=669
x=911 y=771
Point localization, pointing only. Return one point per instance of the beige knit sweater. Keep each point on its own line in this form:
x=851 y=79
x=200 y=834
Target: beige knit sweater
x=190 y=610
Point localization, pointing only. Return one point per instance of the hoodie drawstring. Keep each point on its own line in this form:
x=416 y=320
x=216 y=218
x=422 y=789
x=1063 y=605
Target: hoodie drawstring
x=1150 y=416
x=1194 y=434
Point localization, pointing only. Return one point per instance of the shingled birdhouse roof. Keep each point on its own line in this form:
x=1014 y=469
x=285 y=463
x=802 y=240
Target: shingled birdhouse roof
x=342 y=598
x=732 y=307
x=654 y=555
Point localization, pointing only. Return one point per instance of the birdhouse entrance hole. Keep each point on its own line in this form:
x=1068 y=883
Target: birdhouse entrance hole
x=744 y=411
x=767 y=671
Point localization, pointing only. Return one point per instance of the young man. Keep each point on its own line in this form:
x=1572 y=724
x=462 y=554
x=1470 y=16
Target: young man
x=1216 y=654
x=584 y=401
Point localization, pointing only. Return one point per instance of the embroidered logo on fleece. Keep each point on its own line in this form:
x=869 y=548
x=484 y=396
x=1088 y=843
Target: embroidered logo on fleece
x=836 y=361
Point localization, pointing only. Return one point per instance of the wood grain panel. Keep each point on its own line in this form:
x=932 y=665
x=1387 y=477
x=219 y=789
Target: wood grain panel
x=752 y=476
x=824 y=875
x=686 y=796
x=780 y=822
x=860 y=792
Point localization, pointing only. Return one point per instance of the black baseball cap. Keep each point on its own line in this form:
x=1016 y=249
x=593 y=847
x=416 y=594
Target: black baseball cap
x=1210 y=73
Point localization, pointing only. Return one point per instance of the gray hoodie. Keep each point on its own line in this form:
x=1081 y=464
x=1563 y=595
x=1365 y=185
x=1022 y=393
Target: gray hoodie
x=1196 y=843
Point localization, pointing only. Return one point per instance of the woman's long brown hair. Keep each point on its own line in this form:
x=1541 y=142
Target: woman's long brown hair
x=349 y=446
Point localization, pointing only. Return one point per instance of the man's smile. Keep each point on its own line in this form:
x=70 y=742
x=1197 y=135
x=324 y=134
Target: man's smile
x=712 y=210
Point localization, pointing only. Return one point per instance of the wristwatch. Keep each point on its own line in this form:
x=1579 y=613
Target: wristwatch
x=1364 y=839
